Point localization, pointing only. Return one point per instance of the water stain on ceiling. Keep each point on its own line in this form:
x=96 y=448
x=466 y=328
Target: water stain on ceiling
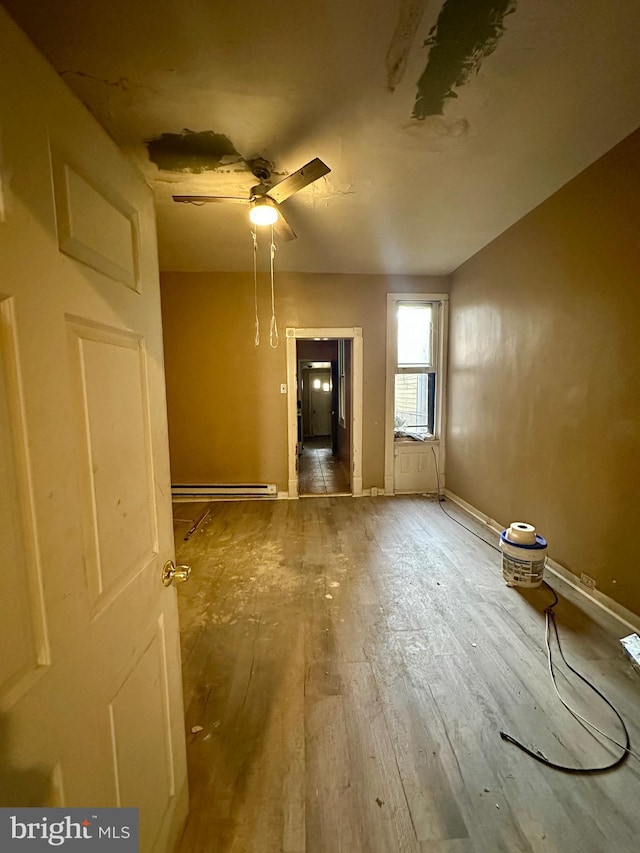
x=192 y=151
x=410 y=14
x=466 y=32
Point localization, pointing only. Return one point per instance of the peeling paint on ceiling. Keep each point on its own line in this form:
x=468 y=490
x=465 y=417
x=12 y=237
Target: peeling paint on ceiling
x=192 y=151
x=409 y=17
x=408 y=195
x=466 y=32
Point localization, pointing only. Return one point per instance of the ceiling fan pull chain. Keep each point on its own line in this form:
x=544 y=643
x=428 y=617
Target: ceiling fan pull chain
x=256 y=339
x=273 y=330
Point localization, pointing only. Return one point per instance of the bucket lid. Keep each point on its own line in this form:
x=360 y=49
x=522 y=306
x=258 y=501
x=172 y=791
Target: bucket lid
x=540 y=542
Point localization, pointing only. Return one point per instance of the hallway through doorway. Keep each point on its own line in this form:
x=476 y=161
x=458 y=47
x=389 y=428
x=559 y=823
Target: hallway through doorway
x=319 y=471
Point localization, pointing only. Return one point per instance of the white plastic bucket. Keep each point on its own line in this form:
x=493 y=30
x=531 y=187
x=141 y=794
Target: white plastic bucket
x=523 y=565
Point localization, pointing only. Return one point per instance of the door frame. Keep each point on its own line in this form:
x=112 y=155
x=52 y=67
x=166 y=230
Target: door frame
x=335 y=404
x=354 y=334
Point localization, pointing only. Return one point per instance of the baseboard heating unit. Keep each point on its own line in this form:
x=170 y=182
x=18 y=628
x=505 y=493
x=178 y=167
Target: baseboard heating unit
x=217 y=490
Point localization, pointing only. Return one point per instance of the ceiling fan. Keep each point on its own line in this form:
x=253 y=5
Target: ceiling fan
x=264 y=198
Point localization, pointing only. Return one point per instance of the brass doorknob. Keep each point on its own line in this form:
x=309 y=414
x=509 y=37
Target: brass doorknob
x=172 y=573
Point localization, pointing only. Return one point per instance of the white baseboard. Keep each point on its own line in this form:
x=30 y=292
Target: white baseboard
x=628 y=620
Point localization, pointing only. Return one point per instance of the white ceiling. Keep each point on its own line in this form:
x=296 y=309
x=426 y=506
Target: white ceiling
x=289 y=81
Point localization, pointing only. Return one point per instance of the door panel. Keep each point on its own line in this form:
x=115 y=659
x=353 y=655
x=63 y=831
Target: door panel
x=110 y=248
x=142 y=754
x=90 y=695
x=110 y=375
x=320 y=403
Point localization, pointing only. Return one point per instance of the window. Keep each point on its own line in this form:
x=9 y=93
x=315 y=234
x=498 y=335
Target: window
x=415 y=335
x=414 y=413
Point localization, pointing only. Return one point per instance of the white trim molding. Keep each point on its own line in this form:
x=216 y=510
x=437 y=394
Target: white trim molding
x=627 y=620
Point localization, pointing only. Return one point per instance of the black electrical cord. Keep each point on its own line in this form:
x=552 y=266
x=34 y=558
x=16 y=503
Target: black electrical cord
x=453 y=518
x=468 y=529
x=550 y=620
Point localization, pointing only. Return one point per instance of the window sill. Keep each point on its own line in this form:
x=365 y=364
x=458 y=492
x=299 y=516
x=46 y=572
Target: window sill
x=408 y=439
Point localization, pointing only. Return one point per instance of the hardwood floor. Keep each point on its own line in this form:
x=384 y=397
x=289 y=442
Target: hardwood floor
x=320 y=472
x=351 y=663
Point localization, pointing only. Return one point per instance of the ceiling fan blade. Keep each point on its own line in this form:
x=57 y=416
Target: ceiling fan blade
x=209 y=199
x=282 y=229
x=298 y=180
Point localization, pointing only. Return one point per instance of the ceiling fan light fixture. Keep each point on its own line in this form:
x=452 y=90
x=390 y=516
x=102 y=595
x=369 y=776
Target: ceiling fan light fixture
x=263 y=212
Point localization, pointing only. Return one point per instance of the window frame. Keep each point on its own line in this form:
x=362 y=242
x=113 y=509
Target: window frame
x=440 y=301
x=425 y=368
x=419 y=367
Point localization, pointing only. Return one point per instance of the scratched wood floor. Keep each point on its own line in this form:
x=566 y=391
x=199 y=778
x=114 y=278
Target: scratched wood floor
x=351 y=663
x=319 y=471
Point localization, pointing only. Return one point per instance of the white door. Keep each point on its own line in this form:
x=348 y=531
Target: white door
x=90 y=687
x=320 y=402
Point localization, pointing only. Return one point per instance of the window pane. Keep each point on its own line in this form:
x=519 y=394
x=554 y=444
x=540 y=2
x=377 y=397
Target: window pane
x=415 y=404
x=415 y=334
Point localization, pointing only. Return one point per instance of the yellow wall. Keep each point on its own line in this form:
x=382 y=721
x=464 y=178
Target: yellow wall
x=544 y=374
x=227 y=418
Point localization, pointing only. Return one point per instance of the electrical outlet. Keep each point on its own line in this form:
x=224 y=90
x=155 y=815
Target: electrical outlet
x=587 y=580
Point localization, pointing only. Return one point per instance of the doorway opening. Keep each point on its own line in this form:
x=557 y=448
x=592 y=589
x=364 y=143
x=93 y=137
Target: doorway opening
x=324 y=447
x=324 y=373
